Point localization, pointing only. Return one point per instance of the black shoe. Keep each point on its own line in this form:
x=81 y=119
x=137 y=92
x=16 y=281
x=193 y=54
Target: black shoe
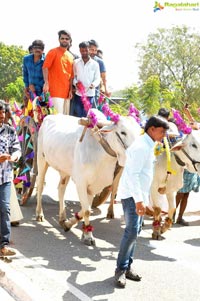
x=120 y=278
x=132 y=276
x=182 y=222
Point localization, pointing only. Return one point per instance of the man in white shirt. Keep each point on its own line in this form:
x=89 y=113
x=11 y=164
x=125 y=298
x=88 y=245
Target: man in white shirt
x=133 y=190
x=86 y=79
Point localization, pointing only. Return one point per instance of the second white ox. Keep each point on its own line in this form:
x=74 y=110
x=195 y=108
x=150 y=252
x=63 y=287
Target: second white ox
x=185 y=154
x=90 y=163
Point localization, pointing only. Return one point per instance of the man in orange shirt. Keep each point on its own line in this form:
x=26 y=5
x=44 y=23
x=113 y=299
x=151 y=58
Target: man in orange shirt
x=58 y=73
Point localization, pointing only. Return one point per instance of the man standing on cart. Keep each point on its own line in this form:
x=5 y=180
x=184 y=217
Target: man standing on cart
x=58 y=73
x=32 y=70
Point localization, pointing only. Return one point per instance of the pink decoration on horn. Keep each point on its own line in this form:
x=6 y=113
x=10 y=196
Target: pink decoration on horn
x=109 y=113
x=182 y=126
x=133 y=112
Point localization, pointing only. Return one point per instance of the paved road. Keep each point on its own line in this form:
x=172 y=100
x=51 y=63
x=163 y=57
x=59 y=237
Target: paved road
x=54 y=265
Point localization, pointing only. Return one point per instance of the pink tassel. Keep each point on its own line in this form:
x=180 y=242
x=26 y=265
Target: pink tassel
x=108 y=113
x=84 y=99
x=133 y=112
x=182 y=126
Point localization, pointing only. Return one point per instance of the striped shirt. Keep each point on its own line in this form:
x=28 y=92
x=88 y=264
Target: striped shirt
x=9 y=143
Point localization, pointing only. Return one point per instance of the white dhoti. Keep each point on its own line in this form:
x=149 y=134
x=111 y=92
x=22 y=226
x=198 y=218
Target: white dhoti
x=61 y=105
x=15 y=210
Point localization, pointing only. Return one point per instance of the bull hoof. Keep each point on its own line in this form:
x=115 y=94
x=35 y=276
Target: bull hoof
x=65 y=225
x=110 y=215
x=40 y=218
x=156 y=236
x=88 y=241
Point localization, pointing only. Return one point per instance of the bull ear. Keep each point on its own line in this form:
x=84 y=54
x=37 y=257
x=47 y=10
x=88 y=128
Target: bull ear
x=107 y=128
x=178 y=146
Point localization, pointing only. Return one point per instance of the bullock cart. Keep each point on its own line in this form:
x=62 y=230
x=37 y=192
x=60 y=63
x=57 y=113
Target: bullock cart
x=25 y=170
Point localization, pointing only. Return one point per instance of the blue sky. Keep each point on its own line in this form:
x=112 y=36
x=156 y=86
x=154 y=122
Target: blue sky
x=116 y=25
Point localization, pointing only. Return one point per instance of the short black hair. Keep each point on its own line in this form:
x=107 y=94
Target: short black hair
x=38 y=43
x=100 y=51
x=30 y=48
x=2 y=105
x=84 y=44
x=156 y=121
x=164 y=112
x=93 y=43
x=65 y=32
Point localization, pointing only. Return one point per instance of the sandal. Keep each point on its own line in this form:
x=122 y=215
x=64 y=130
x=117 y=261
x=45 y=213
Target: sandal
x=5 y=251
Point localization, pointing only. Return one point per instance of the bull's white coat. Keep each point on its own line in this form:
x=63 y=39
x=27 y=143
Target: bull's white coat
x=190 y=144
x=86 y=162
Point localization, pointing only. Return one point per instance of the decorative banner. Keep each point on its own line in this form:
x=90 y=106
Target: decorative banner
x=30 y=106
x=30 y=145
x=21 y=138
x=27 y=119
x=15 y=171
x=27 y=184
x=20 y=185
x=30 y=156
x=32 y=130
x=23 y=178
x=25 y=170
x=16 y=180
x=27 y=136
x=25 y=112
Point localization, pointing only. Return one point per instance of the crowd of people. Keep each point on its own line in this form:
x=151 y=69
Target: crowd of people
x=63 y=73
x=68 y=77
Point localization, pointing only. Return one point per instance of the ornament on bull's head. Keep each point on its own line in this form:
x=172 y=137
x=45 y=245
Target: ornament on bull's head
x=182 y=126
x=92 y=119
x=133 y=112
x=110 y=114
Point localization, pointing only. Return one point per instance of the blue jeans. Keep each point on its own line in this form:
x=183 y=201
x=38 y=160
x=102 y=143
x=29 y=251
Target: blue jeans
x=77 y=106
x=128 y=242
x=5 y=192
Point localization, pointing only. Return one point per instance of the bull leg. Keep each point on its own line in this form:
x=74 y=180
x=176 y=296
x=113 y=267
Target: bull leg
x=87 y=228
x=73 y=220
x=171 y=210
x=61 y=192
x=42 y=169
x=157 y=224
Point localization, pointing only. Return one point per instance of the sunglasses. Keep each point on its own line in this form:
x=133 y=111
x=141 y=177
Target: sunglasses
x=38 y=47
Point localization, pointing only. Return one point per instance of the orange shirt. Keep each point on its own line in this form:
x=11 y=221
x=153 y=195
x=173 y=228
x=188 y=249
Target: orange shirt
x=60 y=71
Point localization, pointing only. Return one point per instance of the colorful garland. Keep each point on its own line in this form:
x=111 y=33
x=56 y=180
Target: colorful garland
x=182 y=126
x=92 y=119
x=133 y=112
x=109 y=114
x=84 y=99
x=169 y=168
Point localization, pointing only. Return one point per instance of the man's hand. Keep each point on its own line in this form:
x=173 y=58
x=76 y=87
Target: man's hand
x=140 y=208
x=32 y=88
x=4 y=157
x=46 y=87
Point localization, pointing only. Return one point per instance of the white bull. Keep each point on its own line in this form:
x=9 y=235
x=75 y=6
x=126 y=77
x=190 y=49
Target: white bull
x=90 y=163
x=185 y=154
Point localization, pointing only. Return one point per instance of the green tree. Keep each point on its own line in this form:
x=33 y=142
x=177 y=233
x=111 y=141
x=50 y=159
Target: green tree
x=14 y=91
x=10 y=68
x=173 y=55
